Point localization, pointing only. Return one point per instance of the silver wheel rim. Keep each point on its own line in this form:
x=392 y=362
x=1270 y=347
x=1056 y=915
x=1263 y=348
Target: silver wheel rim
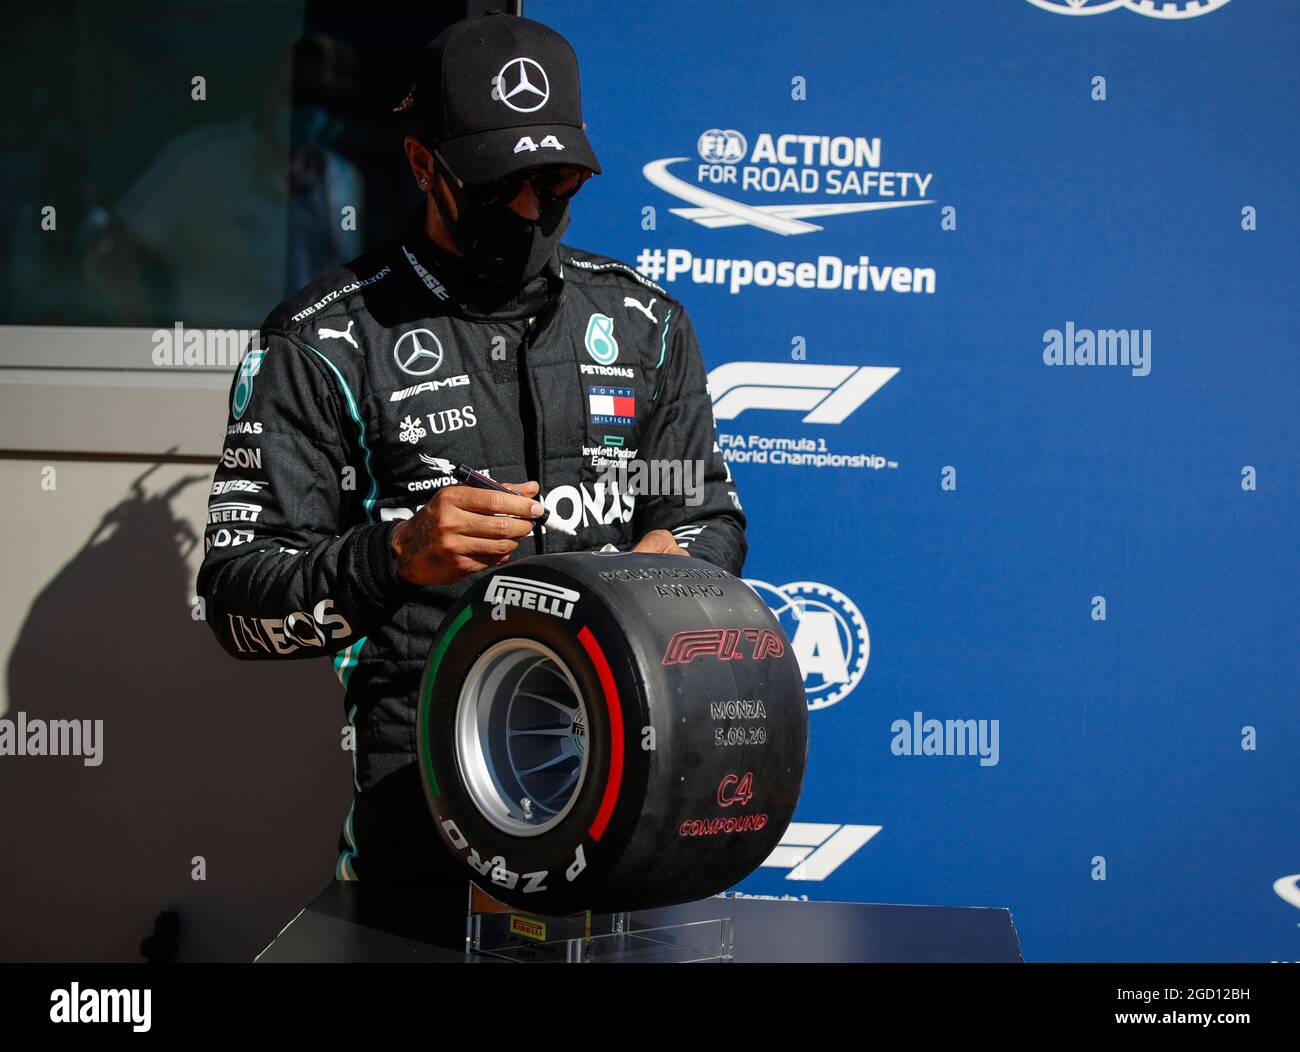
x=521 y=736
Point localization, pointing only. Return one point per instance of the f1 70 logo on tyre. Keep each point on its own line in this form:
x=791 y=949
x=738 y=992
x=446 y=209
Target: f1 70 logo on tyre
x=528 y=594
x=723 y=644
x=828 y=633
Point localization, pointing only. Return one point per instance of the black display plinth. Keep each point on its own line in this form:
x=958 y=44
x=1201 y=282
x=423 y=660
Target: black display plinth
x=351 y=922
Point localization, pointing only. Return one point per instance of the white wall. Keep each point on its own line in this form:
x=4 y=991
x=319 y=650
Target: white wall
x=240 y=763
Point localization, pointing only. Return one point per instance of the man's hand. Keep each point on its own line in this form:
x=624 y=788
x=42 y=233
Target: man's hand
x=461 y=531
x=660 y=541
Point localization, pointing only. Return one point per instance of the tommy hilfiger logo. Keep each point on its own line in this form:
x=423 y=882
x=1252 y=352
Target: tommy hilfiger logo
x=612 y=405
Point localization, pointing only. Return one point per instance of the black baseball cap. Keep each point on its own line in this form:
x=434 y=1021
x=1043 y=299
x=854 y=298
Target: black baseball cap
x=497 y=93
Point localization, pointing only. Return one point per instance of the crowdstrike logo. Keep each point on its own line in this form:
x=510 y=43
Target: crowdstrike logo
x=1163 y=9
x=815 y=850
x=827 y=394
x=827 y=633
x=834 y=166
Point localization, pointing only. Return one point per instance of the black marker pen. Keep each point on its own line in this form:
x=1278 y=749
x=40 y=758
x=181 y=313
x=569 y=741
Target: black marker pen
x=469 y=477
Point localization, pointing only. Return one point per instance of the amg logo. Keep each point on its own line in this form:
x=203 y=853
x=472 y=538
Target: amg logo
x=429 y=385
x=744 y=709
x=532 y=595
x=721 y=643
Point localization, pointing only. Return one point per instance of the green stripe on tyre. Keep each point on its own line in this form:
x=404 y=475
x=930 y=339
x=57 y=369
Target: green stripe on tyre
x=426 y=692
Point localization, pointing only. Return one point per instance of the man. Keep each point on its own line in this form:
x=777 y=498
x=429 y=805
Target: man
x=478 y=339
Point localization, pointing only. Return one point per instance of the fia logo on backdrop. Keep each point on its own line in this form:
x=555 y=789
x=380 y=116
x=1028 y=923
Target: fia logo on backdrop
x=827 y=175
x=828 y=634
x=1168 y=10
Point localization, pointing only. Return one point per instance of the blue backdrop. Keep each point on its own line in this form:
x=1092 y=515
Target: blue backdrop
x=1129 y=783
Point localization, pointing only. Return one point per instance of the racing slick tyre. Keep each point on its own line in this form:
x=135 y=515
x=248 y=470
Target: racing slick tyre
x=610 y=731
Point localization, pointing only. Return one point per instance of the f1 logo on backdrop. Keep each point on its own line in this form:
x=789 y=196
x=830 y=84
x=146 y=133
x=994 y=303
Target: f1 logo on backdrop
x=828 y=634
x=815 y=850
x=827 y=394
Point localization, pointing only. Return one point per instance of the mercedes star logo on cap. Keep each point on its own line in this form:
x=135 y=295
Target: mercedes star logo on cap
x=513 y=86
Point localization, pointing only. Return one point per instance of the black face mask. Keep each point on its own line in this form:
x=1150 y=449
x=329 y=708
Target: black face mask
x=504 y=248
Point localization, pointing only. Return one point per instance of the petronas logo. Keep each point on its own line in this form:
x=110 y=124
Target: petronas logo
x=600 y=341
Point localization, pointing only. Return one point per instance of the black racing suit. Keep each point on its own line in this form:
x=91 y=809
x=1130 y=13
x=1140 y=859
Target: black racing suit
x=363 y=385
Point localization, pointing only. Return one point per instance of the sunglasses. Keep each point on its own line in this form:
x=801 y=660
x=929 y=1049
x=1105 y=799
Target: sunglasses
x=551 y=183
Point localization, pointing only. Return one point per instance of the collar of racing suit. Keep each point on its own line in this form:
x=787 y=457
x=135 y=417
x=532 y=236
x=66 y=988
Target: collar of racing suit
x=469 y=296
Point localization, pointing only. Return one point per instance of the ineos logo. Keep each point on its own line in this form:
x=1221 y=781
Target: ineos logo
x=514 y=82
x=414 y=357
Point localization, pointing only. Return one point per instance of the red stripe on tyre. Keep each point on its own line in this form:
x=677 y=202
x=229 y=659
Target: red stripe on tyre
x=615 y=776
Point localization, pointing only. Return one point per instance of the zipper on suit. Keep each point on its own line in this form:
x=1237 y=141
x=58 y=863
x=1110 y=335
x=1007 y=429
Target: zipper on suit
x=532 y=422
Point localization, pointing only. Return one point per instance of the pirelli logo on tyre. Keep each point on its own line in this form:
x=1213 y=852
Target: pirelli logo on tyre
x=528 y=594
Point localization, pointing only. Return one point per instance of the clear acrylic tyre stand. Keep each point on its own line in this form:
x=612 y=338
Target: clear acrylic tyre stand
x=494 y=929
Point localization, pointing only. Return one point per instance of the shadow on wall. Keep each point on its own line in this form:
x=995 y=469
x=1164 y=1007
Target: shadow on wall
x=201 y=756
